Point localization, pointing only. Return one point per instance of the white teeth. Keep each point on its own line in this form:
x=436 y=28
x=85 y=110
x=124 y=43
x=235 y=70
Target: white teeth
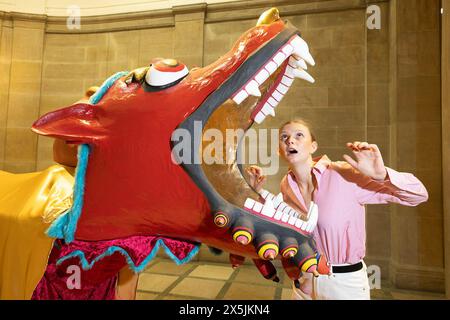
x=302 y=64
x=278 y=215
x=268 y=110
x=292 y=219
x=278 y=199
x=302 y=74
x=287 y=50
x=301 y=49
x=271 y=67
x=272 y=102
x=258 y=207
x=268 y=209
x=253 y=89
x=285 y=216
x=282 y=88
x=264 y=193
x=249 y=203
x=279 y=58
x=259 y=117
x=262 y=76
x=287 y=81
x=241 y=96
x=278 y=96
x=298 y=63
x=299 y=223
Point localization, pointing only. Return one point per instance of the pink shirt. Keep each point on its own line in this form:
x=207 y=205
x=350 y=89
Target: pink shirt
x=340 y=195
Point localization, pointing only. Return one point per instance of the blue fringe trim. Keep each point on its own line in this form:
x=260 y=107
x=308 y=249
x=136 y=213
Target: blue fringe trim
x=64 y=226
x=136 y=268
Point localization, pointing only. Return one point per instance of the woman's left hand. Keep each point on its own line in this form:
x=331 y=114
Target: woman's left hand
x=368 y=160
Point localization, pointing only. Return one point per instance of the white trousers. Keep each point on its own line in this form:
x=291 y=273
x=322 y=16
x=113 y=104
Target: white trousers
x=337 y=286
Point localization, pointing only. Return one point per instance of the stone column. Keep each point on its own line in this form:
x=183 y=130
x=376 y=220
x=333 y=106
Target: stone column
x=24 y=92
x=417 y=253
x=5 y=66
x=446 y=137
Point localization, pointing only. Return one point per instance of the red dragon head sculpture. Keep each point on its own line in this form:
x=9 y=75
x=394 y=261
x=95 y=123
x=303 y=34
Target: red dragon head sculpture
x=137 y=183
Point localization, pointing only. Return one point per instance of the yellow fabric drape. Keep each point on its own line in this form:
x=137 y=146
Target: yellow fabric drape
x=29 y=202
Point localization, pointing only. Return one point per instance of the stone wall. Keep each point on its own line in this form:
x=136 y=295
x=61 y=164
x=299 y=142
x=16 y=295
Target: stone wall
x=382 y=86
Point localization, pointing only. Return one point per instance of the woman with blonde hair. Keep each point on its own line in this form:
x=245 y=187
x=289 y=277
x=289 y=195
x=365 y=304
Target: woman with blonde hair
x=340 y=190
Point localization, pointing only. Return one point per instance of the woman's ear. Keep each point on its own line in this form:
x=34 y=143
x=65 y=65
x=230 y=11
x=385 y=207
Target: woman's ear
x=315 y=146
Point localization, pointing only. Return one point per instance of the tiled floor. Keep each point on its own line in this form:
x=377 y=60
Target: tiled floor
x=164 y=280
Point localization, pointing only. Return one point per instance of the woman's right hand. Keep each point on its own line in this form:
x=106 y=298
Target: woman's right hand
x=256 y=177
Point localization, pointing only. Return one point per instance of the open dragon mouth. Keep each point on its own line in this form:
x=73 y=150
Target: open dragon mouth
x=257 y=99
x=249 y=95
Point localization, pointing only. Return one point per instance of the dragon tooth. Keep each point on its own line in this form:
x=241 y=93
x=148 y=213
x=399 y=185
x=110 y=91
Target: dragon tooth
x=301 y=50
x=253 y=89
x=241 y=96
x=302 y=74
x=259 y=118
x=268 y=110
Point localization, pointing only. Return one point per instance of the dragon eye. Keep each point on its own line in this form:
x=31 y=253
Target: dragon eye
x=165 y=73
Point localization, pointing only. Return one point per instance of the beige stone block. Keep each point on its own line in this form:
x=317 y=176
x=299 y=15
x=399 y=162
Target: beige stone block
x=377 y=73
x=344 y=135
x=21 y=145
x=64 y=54
x=378 y=230
x=332 y=116
x=66 y=86
x=155 y=282
x=349 y=35
x=335 y=19
x=418 y=145
x=240 y=291
x=6 y=44
x=155 y=43
x=212 y=272
x=188 y=38
x=45 y=150
x=432 y=180
x=201 y=288
x=19 y=166
x=346 y=96
x=378 y=112
x=326 y=137
x=306 y=97
x=25 y=77
x=23 y=110
x=318 y=38
x=27 y=44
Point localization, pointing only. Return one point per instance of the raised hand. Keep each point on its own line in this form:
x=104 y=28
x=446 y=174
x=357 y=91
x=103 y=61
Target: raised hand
x=256 y=177
x=368 y=160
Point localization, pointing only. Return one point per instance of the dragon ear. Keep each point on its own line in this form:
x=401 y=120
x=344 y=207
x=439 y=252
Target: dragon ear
x=77 y=123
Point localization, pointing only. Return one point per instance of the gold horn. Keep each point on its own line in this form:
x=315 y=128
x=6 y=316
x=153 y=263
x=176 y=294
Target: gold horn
x=268 y=16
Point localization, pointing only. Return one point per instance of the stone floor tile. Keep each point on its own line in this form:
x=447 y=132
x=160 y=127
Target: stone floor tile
x=241 y=291
x=155 y=282
x=212 y=272
x=202 y=288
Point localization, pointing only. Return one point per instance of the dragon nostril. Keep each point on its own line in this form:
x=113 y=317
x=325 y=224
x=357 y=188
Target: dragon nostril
x=221 y=219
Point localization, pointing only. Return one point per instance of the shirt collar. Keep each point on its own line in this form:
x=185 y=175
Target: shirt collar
x=320 y=165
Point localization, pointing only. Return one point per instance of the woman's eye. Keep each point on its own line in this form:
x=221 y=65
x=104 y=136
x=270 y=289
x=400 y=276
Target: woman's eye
x=299 y=134
x=283 y=137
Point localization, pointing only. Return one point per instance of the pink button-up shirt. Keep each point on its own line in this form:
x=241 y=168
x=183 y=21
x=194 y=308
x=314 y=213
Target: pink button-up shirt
x=340 y=195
